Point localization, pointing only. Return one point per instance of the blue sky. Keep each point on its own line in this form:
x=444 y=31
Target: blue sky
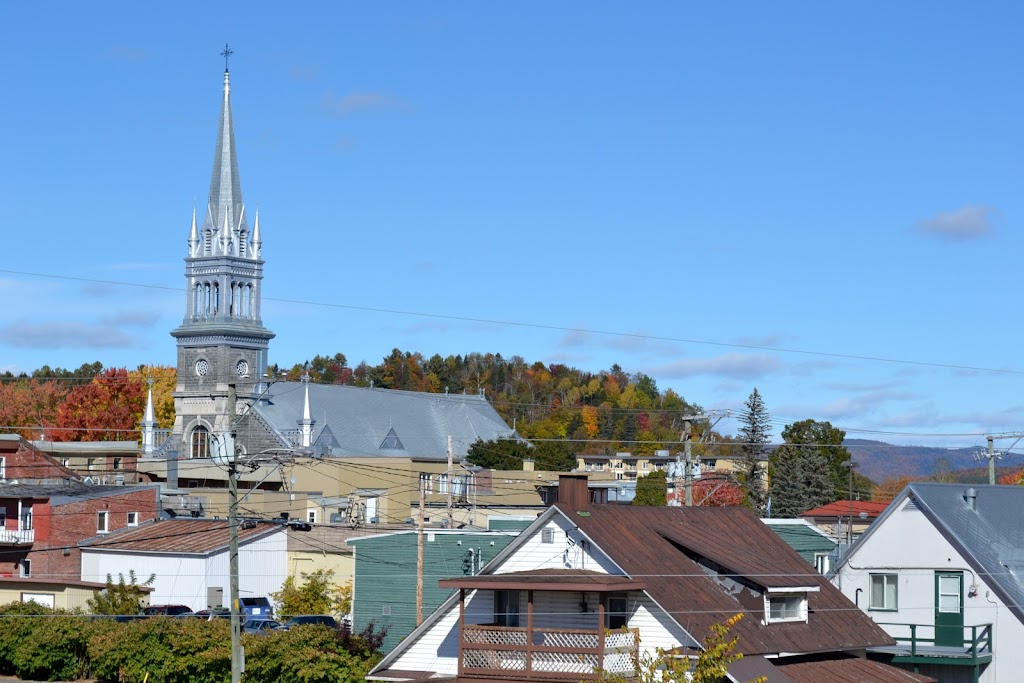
x=720 y=182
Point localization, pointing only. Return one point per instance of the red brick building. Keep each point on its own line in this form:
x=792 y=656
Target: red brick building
x=46 y=510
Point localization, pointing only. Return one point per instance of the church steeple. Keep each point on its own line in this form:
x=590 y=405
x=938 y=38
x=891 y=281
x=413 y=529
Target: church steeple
x=222 y=340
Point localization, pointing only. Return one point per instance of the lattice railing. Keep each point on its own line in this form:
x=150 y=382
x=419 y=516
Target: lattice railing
x=547 y=652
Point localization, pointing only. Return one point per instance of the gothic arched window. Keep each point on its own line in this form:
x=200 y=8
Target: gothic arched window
x=199 y=443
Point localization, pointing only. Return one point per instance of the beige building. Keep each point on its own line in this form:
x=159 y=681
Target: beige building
x=65 y=594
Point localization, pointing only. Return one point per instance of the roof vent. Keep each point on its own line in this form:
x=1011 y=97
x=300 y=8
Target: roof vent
x=971 y=496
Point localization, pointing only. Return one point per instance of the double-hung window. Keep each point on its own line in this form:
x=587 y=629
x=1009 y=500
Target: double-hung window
x=883 y=594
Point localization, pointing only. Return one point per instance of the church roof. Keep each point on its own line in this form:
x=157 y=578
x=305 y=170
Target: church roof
x=385 y=422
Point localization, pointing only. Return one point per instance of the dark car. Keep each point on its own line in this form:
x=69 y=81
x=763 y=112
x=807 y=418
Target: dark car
x=311 y=620
x=211 y=614
x=260 y=626
x=166 y=610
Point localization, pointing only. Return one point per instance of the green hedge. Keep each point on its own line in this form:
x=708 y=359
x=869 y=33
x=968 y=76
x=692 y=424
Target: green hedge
x=38 y=644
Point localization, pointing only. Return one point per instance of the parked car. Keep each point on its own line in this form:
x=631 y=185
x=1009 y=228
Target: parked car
x=211 y=614
x=260 y=626
x=166 y=610
x=311 y=620
x=256 y=608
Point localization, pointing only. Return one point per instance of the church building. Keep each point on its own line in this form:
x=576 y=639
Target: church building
x=222 y=361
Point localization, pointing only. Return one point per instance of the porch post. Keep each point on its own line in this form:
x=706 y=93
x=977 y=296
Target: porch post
x=529 y=632
x=600 y=631
x=462 y=626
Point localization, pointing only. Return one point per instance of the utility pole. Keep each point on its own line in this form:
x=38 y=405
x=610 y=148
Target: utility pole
x=992 y=455
x=684 y=471
x=688 y=474
x=419 y=555
x=991 y=460
x=237 y=654
x=448 y=482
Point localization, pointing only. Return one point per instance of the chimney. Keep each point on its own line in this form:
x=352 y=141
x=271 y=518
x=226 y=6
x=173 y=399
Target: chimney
x=971 y=496
x=573 y=491
x=527 y=464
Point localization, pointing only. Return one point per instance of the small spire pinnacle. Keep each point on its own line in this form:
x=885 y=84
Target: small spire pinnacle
x=193 y=237
x=149 y=422
x=256 y=239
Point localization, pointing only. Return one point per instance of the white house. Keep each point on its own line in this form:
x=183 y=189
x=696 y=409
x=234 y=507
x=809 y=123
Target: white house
x=189 y=559
x=942 y=570
x=588 y=588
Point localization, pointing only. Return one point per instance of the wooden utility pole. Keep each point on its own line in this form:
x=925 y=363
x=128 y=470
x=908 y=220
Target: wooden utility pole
x=419 y=554
x=237 y=655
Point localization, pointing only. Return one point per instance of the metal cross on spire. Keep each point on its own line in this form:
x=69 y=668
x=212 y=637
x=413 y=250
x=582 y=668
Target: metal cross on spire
x=226 y=54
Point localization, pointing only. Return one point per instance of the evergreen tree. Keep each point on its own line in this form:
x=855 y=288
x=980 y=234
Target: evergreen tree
x=755 y=437
x=807 y=470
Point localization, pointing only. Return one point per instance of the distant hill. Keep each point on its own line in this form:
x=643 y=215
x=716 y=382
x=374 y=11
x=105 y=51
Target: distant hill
x=880 y=461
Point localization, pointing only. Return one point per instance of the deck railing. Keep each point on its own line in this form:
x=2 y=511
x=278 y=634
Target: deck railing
x=547 y=653
x=978 y=644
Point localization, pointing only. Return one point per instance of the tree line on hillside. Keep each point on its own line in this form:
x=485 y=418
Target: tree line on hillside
x=563 y=411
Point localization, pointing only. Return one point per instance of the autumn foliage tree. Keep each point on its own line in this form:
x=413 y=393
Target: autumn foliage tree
x=107 y=409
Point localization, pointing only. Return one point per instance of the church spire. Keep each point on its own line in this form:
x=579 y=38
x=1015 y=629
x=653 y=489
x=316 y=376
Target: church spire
x=225 y=214
x=149 y=422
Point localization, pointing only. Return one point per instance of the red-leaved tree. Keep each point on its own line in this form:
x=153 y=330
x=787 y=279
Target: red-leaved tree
x=107 y=409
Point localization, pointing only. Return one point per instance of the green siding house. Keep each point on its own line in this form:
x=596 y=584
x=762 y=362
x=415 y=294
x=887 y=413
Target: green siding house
x=811 y=542
x=384 y=584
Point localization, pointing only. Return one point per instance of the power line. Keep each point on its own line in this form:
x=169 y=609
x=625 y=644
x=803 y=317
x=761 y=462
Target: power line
x=557 y=328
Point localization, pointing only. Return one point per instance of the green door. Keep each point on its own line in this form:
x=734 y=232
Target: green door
x=949 y=609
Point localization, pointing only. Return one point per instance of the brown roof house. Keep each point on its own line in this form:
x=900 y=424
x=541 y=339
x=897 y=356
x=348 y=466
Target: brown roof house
x=588 y=588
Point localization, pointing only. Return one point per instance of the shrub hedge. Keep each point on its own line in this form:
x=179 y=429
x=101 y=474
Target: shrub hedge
x=43 y=645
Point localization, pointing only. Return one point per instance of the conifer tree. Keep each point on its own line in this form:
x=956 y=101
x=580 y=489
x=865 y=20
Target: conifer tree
x=755 y=437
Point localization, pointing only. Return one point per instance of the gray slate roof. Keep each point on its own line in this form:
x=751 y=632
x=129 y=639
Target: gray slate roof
x=990 y=538
x=358 y=421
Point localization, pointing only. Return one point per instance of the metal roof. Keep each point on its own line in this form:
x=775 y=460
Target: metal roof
x=663 y=546
x=177 y=536
x=386 y=422
x=989 y=535
x=68 y=491
x=870 y=509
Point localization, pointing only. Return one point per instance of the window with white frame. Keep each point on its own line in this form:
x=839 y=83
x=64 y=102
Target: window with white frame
x=780 y=607
x=3 y=468
x=133 y=519
x=442 y=482
x=102 y=522
x=199 y=443
x=311 y=516
x=821 y=562
x=426 y=483
x=882 y=594
x=26 y=568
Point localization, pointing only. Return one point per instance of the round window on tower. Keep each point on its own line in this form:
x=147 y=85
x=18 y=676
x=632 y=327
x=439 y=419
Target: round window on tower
x=202 y=367
x=242 y=368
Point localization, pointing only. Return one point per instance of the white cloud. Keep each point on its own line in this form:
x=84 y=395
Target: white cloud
x=732 y=365
x=967 y=222
x=68 y=335
x=353 y=102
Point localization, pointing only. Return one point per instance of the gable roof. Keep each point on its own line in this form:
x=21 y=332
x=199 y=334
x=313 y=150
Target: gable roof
x=662 y=546
x=178 y=536
x=862 y=509
x=359 y=421
x=989 y=536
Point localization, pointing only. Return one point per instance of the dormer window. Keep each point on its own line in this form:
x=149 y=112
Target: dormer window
x=785 y=605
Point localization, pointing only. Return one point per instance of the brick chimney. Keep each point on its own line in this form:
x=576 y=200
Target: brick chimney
x=574 y=491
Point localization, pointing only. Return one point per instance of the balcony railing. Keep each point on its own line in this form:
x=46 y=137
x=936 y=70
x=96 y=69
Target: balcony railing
x=547 y=653
x=914 y=645
x=17 y=536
